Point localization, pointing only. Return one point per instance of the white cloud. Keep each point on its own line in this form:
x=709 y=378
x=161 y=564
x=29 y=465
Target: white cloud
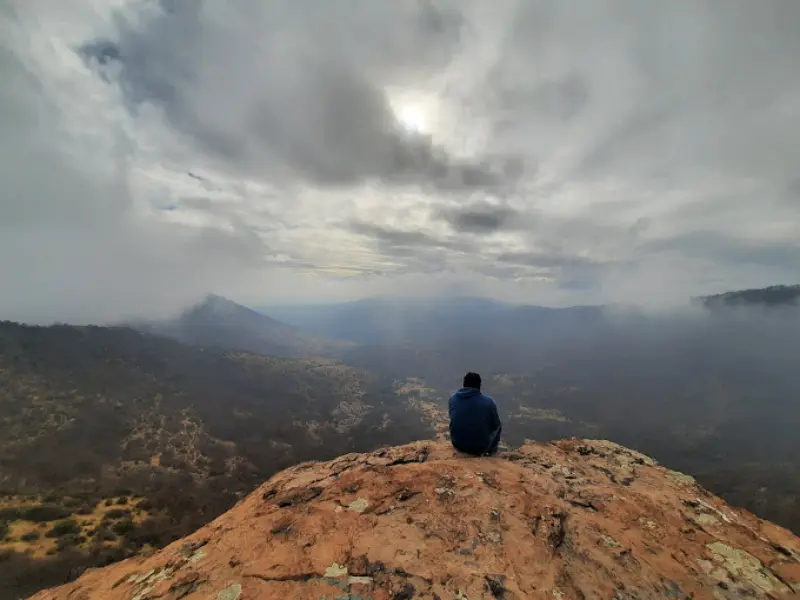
x=156 y=150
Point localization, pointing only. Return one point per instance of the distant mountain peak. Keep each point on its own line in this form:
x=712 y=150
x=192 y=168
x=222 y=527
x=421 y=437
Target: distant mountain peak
x=221 y=322
x=221 y=306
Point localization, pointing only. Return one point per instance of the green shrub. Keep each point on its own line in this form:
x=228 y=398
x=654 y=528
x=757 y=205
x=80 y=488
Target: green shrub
x=4 y=529
x=69 y=541
x=65 y=527
x=145 y=505
x=117 y=513
x=45 y=513
x=154 y=532
x=30 y=536
x=103 y=534
x=12 y=513
x=85 y=509
x=123 y=527
x=122 y=500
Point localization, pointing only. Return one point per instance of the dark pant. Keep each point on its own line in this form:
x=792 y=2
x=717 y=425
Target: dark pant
x=488 y=451
x=495 y=442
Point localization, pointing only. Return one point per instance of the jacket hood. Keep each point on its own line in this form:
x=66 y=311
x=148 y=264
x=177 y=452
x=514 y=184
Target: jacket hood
x=467 y=392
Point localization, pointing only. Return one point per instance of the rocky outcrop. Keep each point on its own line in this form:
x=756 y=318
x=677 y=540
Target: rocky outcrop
x=565 y=521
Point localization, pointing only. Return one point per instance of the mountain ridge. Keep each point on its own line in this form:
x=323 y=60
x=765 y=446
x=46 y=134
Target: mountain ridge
x=361 y=320
x=772 y=296
x=219 y=322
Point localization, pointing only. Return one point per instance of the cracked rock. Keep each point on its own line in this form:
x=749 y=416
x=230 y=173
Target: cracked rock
x=547 y=521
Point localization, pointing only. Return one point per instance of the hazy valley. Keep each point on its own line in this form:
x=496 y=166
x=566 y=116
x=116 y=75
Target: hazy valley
x=93 y=414
x=117 y=440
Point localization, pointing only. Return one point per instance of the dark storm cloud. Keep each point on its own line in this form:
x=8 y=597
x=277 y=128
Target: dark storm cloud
x=399 y=238
x=612 y=151
x=302 y=99
x=480 y=218
x=417 y=251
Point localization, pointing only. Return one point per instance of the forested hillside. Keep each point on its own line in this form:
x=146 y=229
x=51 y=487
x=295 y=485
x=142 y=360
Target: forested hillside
x=89 y=415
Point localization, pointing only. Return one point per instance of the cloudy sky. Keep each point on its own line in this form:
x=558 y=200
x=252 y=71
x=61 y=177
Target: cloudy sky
x=280 y=151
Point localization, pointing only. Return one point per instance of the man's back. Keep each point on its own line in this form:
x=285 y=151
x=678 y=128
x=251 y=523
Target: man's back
x=474 y=423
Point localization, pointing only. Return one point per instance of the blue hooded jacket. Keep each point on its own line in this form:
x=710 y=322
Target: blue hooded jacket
x=474 y=423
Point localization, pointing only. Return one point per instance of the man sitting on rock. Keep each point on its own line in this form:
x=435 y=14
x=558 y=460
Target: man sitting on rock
x=475 y=426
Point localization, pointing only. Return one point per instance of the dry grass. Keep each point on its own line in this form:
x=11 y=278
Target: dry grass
x=42 y=546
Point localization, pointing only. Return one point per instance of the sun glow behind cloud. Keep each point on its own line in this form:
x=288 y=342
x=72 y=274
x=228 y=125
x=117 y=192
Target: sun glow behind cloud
x=413 y=118
x=416 y=112
x=154 y=151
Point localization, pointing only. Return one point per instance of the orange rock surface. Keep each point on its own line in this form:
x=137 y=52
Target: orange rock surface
x=571 y=520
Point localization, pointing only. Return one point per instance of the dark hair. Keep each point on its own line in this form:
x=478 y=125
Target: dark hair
x=472 y=380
